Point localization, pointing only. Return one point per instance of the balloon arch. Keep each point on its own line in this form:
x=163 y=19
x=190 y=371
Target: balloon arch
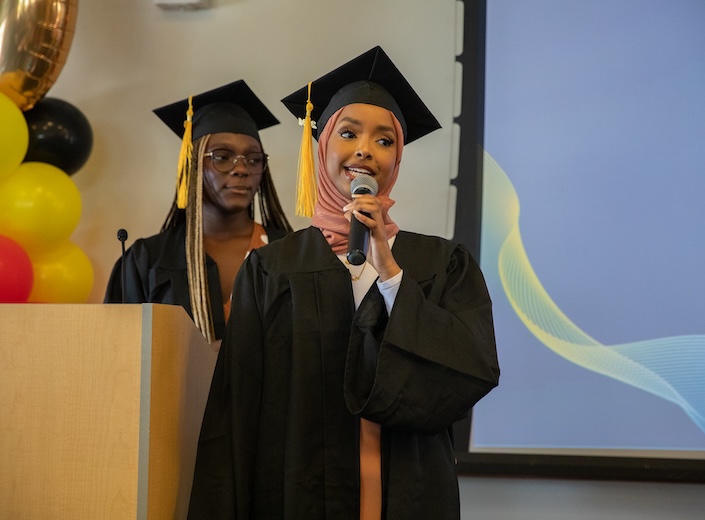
x=43 y=141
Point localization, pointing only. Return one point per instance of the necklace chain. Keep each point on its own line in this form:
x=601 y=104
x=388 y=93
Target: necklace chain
x=352 y=276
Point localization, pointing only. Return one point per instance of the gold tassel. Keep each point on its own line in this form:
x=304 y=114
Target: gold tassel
x=306 y=184
x=184 y=167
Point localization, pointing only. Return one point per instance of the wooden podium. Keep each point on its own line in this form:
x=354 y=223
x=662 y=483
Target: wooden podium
x=100 y=410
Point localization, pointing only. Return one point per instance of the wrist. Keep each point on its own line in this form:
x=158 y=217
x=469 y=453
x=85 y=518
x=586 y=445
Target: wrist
x=388 y=272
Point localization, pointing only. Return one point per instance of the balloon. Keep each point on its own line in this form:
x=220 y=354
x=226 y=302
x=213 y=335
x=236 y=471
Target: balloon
x=35 y=38
x=39 y=206
x=14 y=136
x=16 y=275
x=63 y=274
x=59 y=134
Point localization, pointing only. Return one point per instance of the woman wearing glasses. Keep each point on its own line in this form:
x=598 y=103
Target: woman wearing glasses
x=224 y=184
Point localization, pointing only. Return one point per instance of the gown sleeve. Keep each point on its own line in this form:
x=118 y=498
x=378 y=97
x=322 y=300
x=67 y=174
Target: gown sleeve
x=136 y=262
x=113 y=291
x=424 y=366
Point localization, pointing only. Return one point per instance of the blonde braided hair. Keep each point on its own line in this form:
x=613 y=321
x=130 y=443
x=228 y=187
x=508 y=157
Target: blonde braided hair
x=195 y=252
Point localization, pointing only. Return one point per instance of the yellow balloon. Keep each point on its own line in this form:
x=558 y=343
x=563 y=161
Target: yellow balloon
x=40 y=206
x=63 y=274
x=36 y=36
x=14 y=136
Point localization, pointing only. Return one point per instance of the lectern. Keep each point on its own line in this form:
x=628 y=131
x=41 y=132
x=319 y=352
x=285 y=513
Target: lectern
x=100 y=410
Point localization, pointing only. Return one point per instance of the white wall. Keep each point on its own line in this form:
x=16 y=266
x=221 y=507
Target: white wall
x=129 y=57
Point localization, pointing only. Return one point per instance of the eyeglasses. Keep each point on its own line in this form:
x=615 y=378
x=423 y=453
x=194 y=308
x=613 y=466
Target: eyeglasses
x=224 y=161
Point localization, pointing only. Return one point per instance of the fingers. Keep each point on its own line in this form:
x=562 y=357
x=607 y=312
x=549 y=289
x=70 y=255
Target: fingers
x=367 y=204
x=368 y=210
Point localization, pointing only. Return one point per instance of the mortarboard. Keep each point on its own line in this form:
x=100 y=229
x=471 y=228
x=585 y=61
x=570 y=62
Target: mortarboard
x=231 y=108
x=371 y=78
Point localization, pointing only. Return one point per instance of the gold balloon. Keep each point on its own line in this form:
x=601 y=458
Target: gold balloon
x=35 y=38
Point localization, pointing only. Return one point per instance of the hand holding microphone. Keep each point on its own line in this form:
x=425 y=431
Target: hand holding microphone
x=359 y=237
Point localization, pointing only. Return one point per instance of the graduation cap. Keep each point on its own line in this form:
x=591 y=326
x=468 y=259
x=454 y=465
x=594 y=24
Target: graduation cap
x=231 y=108
x=370 y=78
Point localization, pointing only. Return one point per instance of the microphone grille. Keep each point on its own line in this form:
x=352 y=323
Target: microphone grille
x=366 y=182
x=122 y=235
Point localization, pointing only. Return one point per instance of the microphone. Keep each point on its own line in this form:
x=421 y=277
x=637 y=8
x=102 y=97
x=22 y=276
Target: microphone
x=359 y=237
x=122 y=236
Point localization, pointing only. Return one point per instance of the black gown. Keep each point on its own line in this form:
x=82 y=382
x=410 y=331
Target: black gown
x=156 y=272
x=299 y=366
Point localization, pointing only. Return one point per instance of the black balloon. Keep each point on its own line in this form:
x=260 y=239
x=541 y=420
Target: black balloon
x=59 y=134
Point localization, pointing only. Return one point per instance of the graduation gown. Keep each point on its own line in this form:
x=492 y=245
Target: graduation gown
x=156 y=272
x=299 y=366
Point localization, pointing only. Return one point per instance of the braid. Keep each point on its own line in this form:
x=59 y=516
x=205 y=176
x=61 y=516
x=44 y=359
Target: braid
x=175 y=216
x=270 y=208
x=195 y=253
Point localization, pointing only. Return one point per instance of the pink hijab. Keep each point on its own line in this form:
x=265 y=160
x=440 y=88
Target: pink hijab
x=328 y=214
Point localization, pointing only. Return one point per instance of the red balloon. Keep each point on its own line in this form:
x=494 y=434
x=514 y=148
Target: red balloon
x=16 y=274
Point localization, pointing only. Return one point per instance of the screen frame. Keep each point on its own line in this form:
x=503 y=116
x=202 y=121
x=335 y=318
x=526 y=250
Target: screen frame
x=630 y=465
